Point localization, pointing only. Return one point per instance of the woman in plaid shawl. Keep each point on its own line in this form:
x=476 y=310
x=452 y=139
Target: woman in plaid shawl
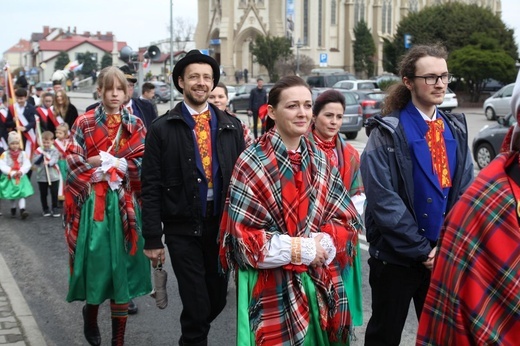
x=103 y=226
x=287 y=230
x=474 y=294
x=327 y=117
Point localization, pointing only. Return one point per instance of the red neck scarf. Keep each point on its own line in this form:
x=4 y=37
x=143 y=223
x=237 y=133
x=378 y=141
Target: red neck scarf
x=437 y=146
x=327 y=147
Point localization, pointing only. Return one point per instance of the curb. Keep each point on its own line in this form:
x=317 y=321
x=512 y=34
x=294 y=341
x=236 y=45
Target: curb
x=21 y=311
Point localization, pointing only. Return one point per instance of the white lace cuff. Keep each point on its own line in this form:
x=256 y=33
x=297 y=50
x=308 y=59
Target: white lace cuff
x=327 y=244
x=308 y=250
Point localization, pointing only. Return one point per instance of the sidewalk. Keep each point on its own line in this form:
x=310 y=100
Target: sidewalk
x=17 y=324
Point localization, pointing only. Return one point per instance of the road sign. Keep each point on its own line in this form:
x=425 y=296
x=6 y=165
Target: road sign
x=324 y=59
x=407 y=41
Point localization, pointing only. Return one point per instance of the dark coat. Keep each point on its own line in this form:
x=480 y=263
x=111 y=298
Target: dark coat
x=257 y=97
x=29 y=112
x=172 y=176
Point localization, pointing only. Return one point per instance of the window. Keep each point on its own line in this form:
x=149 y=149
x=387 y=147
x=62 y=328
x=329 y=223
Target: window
x=386 y=23
x=305 y=22
x=359 y=11
x=333 y=7
x=320 y=23
x=414 y=5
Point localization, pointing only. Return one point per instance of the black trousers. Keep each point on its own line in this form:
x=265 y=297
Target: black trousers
x=393 y=288
x=255 y=124
x=202 y=288
x=44 y=188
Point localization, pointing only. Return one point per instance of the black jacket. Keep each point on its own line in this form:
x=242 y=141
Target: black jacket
x=10 y=125
x=171 y=191
x=141 y=108
x=257 y=97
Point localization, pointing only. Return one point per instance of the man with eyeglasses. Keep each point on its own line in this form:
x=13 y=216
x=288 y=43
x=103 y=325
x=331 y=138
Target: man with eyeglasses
x=414 y=167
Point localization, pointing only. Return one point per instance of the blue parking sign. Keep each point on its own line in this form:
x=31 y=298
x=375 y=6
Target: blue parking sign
x=324 y=59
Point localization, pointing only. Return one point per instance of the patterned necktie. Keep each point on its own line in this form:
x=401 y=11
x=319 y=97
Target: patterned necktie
x=203 y=135
x=437 y=146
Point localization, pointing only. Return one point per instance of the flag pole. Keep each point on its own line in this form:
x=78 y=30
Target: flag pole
x=10 y=102
x=40 y=143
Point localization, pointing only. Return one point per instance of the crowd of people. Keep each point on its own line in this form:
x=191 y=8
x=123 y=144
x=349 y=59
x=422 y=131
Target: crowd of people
x=280 y=213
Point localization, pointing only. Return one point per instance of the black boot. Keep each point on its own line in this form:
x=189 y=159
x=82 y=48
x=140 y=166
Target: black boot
x=23 y=214
x=13 y=212
x=90 y=326
x=118 y=330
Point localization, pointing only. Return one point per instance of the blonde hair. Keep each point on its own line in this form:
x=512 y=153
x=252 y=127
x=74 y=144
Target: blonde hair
x=107 y=78
x=62 y=109
x=63 y=127
x=47 y=135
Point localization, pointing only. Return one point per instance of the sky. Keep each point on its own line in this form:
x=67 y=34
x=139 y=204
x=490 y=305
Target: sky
x=136 y=22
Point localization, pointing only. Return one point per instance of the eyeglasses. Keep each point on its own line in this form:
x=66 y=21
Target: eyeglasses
x=433 y=79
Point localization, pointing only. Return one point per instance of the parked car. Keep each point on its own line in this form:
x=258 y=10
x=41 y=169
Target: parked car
x=231 y=92
x=498 y=104
x=162 y=92
x=327 y=80
x=46 y=87
x=359 y=84
x=450 y=101
x=487 y=142
x=370 y=101
x=353 y=115
x=240 y=102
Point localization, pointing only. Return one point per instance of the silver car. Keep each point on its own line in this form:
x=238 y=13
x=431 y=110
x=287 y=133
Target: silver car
x=499 y=104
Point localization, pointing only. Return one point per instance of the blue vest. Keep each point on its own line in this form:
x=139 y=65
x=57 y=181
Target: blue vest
x=430 y=200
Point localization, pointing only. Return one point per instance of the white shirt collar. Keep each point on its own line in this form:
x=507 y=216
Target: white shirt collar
x=194 y=112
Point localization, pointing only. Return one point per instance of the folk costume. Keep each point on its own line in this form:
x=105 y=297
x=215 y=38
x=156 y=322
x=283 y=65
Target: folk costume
x=474 y=293
x=11 y=186
x=346 y=158
x=288 y=303
x=103 y=225
x=61 y=146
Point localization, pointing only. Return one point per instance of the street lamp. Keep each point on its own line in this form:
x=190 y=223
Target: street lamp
x=299 y=45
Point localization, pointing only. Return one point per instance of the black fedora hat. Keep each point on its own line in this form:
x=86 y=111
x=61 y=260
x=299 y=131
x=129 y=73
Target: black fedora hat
x=128 y=74
x=195 y=56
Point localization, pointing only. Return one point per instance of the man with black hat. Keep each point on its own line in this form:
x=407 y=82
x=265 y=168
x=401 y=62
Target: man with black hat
x=140 y=108
x=189 y=157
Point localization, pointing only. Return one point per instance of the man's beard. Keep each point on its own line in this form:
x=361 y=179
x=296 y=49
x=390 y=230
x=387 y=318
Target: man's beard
x=194 y=101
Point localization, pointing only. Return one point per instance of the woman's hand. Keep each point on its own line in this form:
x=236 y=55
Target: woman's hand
x=94 y=161
x=321 y=253
x=431 y=259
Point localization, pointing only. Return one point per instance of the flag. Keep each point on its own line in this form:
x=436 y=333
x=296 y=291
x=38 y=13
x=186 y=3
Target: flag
x=78 y=68
x=71 y=65
x=9 y=93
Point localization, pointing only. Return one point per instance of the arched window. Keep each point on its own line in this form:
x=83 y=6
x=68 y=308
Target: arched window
x=333 y=7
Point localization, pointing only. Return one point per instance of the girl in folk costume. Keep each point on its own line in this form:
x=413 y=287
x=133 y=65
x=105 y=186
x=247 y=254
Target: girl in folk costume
x=48 y=120
x=328 y=112
x=103 y=225
x=61 y=143
x=287 y=230
x=14 y=183
x=63 y=109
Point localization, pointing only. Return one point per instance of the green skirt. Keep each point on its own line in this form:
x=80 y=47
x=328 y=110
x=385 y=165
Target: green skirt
x=102 y=267
x=63 y=168
x=245 y=337
x=9 y=189
x=353 y=280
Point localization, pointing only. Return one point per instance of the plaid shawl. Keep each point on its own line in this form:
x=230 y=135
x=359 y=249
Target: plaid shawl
x=89 y=137
x=474 y=295
x=259 y=206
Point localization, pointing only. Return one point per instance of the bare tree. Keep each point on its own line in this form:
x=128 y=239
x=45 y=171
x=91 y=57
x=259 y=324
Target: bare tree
x=183 y=31
x=288 y=66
